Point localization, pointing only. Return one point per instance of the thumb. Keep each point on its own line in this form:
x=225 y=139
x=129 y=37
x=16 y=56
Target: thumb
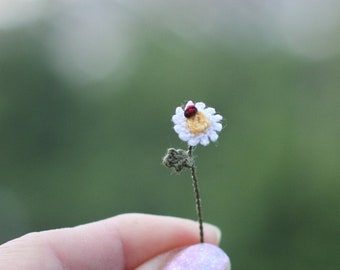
x=200 y=256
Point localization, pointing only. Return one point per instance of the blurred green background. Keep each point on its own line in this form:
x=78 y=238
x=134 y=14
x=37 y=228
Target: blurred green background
x=85 y=120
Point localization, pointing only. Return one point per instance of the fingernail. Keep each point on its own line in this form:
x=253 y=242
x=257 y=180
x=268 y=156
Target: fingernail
x=200 y=256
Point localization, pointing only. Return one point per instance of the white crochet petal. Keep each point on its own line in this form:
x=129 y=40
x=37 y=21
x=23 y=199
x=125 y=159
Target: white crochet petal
x=188 y=103
x=204 y=140
x=213 y=136
x=184 y=136
x=200 y=106
x=217 y=126
x=210 y=111
x=179 y=129
x=193 y=141
x=179 y=111
x=216 y=117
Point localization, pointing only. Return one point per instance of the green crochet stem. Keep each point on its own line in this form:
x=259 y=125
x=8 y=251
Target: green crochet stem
x=197 y=195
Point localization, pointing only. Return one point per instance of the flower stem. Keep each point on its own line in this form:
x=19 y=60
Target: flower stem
x=197 y=196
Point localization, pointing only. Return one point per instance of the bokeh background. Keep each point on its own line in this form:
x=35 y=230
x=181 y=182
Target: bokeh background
x=87 y=91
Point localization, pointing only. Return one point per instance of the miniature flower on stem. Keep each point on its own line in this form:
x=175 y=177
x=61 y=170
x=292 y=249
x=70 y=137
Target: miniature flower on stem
x=194 y=124
x=197 y=124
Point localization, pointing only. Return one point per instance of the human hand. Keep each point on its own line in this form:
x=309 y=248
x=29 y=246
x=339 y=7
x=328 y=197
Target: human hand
x=127 y=241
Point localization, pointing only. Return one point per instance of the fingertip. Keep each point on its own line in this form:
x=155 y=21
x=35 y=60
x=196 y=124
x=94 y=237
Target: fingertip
x=214 y=231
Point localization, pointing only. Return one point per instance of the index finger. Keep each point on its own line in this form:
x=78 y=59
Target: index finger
x=121 y=242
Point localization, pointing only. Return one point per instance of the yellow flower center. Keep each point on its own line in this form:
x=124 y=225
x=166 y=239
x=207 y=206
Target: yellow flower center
x=198 y=123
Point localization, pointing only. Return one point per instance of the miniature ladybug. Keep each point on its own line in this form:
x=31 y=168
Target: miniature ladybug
x=190 y=111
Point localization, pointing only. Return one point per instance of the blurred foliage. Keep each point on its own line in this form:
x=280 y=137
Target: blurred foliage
x=74 y=153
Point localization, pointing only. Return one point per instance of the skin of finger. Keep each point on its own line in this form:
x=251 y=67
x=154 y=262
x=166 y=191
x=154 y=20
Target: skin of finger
x=27 y=253
x=85 y=247
x=144 y=239
x=121 y=242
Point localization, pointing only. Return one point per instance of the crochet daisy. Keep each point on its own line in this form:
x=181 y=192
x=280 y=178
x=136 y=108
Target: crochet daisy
x=197 y=123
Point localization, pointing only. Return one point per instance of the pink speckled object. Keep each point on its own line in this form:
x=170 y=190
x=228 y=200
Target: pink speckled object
x=200 y=257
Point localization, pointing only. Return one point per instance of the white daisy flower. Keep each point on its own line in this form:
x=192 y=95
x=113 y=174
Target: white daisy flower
x=197 y=124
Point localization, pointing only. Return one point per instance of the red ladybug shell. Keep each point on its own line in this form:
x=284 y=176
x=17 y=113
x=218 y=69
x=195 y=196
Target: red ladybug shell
x=190 y=111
